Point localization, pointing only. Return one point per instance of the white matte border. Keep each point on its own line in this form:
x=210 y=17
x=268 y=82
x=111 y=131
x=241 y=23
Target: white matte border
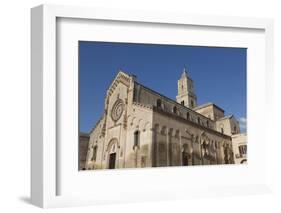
x=99 y=183
x=48 y=148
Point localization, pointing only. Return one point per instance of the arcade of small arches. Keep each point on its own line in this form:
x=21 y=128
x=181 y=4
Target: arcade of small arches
x=193 y=149
x=164 y=130
x=181 y=149
x=139 y=124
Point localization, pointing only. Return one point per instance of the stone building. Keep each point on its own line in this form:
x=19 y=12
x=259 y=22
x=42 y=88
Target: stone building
x=142 y=128
x=239 y=142
x=83 y=149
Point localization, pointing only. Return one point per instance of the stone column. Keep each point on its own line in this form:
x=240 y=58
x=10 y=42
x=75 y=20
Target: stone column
x=154 y=149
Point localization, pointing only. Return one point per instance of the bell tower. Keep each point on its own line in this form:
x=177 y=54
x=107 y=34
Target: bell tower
x=186 y=95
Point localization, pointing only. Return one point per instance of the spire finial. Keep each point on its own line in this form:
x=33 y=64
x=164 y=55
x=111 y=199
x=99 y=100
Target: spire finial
x=184 y=72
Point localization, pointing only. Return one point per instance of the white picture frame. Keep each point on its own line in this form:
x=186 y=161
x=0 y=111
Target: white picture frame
x=44 y=153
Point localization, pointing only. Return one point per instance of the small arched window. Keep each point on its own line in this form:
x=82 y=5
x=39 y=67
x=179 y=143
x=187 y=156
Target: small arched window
x=136 y=139
x=242 y=150
x=198 y=120
x=95 y=149
x=222 y=130
x=207 y=123
x=192 y=103
x=182 y=103
x=163 y=130
x=175 y=110
x=187 y=116
x=159 y=103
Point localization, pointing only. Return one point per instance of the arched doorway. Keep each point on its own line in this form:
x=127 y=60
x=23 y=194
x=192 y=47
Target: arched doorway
x=112 y=160
x=111 y=150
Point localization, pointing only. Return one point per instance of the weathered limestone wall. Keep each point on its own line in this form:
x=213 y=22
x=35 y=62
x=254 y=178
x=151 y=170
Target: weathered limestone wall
x=139 y=120
x=116 y=116
x=240 y=140
x=83 y=150
x=187 y=144
x=211 y=112
x=229 y=125
x=109 y=136
x=96 y=141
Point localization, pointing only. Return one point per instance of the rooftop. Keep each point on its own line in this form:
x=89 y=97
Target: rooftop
x=208 y=104
x=226 y=117
x=172 y=101
x=83 y=134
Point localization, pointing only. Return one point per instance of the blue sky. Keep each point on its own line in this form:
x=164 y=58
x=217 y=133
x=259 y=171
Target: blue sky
x=219 y=74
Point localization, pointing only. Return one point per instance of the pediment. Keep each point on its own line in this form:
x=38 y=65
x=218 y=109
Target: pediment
x=121 y=77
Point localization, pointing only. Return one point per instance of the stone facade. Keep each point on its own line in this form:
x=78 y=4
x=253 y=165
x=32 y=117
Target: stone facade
x=83 y=149
x=142 y=128
x=239 y=142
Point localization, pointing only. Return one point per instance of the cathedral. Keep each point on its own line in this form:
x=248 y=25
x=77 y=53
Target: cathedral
x=142 y=128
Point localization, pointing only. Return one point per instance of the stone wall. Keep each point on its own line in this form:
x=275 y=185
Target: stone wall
x=228 y=125
x=179 y=142
x=211 y=111
x=96 y=142
x=239 y=141
x=83 y=149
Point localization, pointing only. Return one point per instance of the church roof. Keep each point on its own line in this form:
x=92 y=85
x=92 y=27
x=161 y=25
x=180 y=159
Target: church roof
x=83 y=134
x=206 y=105
x=226 y=117
x=171 y=100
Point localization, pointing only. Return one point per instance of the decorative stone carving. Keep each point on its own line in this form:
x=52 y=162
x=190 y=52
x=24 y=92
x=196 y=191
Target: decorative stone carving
x=112 y=145
x=117 y=110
